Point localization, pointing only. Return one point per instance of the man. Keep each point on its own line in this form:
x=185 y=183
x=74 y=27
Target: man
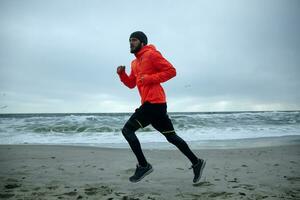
x=148 y=70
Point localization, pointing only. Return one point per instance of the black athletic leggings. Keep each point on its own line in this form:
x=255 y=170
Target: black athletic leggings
x=136 y=122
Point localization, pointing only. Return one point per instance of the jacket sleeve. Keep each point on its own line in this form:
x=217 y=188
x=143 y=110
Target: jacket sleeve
x=165 y=69
x=129 y=81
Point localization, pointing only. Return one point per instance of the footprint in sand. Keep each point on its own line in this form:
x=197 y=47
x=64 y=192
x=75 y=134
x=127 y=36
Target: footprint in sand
x=293 y=194
x=220 y=194
x=206 y=195
x=12 y=180
x=12 y=183
x=54 y=187
x=129 y=171
x=247 y=186
x=36 y=188
x=233 y=181
x=293 y=179
x=73 y=193
x=119 y=193
x=242 y=193
x=103 y=190
x=129 y=198
x=12 y=186
x=61 y=169
x=6 y=196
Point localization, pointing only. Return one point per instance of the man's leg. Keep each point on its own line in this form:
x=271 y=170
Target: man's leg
x=136 y=121
x=197 y=163
x=161 y=122
x=129 y=134
x=174 y=139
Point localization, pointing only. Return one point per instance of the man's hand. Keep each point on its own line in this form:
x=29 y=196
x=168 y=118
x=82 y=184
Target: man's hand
x=121 y=69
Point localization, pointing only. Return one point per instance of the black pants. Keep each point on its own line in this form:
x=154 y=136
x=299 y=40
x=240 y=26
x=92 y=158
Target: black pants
x=156 y=115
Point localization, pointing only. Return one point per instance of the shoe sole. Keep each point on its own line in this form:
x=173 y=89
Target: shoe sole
x=147 y=173
x=201 y=171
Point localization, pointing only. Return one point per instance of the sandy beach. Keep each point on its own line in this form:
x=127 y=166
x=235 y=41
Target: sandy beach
x=74 y=172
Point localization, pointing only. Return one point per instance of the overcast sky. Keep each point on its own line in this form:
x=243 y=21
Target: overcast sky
x=61 y=55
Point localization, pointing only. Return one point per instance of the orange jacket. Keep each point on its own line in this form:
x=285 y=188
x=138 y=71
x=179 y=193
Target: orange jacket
x=148 y=70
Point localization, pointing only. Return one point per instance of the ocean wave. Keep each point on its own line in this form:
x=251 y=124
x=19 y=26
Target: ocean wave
x=107 y=127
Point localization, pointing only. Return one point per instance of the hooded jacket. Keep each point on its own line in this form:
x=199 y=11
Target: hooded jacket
x=148 y=71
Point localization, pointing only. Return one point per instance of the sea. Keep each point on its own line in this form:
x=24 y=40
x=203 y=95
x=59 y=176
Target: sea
x=104 y=129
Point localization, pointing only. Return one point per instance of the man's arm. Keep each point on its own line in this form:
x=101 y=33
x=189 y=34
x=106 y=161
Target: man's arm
x=165 y=68
x=129 y=81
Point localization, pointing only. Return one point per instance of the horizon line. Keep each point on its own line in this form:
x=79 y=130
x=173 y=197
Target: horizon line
x=167 y=112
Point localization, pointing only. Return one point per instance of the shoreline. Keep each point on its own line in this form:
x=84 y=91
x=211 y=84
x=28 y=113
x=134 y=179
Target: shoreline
x=197 y=145
x=74 y=172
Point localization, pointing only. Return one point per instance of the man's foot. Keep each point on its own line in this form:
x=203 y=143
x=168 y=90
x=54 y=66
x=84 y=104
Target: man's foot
x=140 y=173
x=198 y=169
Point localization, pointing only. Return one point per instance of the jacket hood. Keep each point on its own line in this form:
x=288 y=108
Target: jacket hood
x=149 y=47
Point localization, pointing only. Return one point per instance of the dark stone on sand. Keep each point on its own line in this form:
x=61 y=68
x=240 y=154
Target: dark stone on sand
x=242 y=193
x=79 y=197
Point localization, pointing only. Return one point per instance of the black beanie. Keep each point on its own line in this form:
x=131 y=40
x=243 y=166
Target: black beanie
x=140 y=36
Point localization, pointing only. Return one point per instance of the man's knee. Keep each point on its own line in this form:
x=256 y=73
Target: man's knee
x=128 y=132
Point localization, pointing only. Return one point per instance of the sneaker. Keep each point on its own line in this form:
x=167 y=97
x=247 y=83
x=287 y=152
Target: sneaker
x=198 y=169
x=141 y=172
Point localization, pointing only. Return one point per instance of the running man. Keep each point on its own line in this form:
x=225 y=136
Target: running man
x=148 y=71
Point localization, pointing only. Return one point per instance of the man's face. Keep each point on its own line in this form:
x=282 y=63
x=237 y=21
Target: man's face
x=135 y=45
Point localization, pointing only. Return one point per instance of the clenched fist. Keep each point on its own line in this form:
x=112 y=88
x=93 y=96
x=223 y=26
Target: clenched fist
x=121 y=69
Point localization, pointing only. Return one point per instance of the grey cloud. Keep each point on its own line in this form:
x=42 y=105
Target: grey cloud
x=237 y=51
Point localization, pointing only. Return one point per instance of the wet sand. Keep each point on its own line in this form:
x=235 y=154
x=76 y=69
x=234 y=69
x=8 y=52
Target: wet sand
x=74 y=172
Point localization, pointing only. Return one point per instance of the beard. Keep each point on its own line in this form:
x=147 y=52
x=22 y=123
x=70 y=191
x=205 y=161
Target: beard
x=136 y=49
